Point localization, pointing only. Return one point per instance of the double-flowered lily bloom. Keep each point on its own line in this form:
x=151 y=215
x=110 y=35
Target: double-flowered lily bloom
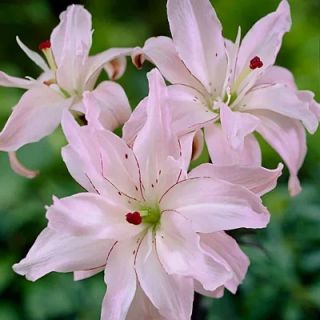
x=68 y=71
x=232 y=89
x=158 y=233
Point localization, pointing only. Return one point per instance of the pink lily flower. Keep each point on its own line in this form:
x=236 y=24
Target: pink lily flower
x=68 y=71
x=157 y=233
x=232 y=89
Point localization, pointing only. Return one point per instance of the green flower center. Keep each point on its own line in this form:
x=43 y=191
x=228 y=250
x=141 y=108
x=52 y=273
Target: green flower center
x=151 y=216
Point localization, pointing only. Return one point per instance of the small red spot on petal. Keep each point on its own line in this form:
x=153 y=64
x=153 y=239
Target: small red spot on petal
x=256 y=63
x=134 y=218
x=45 y=45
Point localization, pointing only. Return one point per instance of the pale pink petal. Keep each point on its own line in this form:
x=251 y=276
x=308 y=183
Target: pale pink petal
x=257 y=179
x=82 y=155
x=34 y=56
x=58 y=252
x=188 y=109
x=236 y=126
x=225 y=250
x=116 y=67
x=214 y=205
x=120 y=278
x=197 y=35
x=35 y=116
x=276 y=74
x=135 y=123
x=71 y=42
x=180 y=253
x=81 y=275
x=162 y=53
x=88 y=214
x=232 y=54
x=221 y=153
x=281 y=99
x=76 y=168
x=19 y=168
x=265 y=38
x=155 y=141
x=142 y=308
x=186 y=143
x=14 y=82
x=98 y=152
x=314 y=106
x=288 y=138
x=218 y=293
x=171 y=295
x=107 y=106
x=96 y=63
x=72 y=37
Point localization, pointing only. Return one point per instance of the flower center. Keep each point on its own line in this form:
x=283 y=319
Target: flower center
x=149 y=216
x=255 y=63
x=134 y=218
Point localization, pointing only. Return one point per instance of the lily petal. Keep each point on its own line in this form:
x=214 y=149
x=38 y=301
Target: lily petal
x=162 y=53
x=98 y=151
x=221 y=152
x=81 y=275
x=107 y=106
x=101 y=218
x=225 y=250
x=288 y=138
x=236 y=126
x=135 y=123
x=72 y=37
x=265 y=37
x=14 y=82
x=155 y=141
x=197 y=35
x=19 y=168
x=97 y=62
x=34 y=56
x=280 y=99
x=142 y=308
x=179 y=251
x=214 y=205
x=58 y=252
x=35 y=116
x=171 y=295
x=256 y=179
x=188 y=109
x=120 y=278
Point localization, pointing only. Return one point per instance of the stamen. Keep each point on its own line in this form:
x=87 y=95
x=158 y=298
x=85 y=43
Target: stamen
x=45 y=45
x=256 y=63
x=134 y=218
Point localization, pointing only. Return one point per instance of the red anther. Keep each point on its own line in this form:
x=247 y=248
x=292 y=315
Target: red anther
x=134 y=218
x=256 y=63
x=45 y=45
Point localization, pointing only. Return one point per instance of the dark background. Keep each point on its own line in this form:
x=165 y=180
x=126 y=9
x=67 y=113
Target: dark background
x=283 y=281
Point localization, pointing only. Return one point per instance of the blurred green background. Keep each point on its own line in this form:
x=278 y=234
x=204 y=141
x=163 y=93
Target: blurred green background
x=283 y=281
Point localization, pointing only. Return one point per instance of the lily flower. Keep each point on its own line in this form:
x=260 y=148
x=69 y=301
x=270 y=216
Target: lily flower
x=156 y=233
x=232 y=89
x=67 y=72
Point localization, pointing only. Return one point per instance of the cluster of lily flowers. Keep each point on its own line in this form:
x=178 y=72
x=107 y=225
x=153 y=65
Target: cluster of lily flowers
x=156 y=229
